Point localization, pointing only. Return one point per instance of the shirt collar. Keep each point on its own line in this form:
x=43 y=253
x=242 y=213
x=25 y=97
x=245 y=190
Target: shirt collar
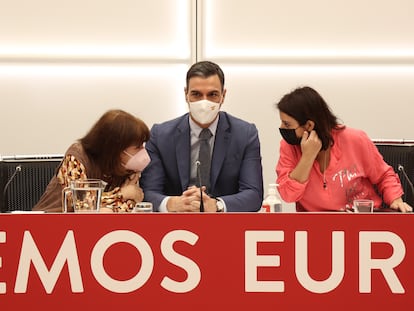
x=196 y=129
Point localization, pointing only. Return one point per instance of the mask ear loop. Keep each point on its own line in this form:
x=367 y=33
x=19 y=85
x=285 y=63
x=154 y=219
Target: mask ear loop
x=127 y=153
x=131 y=155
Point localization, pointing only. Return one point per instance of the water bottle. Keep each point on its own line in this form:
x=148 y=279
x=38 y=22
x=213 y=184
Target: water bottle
x=272 y=202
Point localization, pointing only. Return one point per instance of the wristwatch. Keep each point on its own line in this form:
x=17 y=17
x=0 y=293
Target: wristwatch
x=219 y=206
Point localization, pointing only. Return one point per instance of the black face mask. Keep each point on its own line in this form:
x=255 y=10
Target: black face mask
x=290 y=136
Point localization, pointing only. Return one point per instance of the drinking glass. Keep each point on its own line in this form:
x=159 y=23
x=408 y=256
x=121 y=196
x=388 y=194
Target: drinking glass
x=363 y=206
x=85 y=195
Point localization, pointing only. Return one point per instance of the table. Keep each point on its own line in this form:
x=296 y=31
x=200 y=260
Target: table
x=248 y=261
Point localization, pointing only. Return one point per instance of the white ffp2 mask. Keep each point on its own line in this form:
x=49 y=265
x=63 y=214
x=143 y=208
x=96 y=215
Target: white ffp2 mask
x=204 y=111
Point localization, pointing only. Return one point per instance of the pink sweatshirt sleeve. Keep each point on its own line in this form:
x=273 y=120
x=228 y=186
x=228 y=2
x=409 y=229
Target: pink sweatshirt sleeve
x=289 y=189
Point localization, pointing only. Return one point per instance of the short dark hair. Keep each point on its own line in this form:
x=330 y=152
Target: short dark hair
x=205 y=69
x=303 y=104
x=115 y=131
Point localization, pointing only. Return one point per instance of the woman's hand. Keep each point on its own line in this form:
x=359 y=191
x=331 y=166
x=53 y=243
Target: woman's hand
x=400 y=205
x=131 y=190
x=311 y=144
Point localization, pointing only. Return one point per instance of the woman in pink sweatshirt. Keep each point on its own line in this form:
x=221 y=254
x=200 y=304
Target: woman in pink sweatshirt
x=324 y=165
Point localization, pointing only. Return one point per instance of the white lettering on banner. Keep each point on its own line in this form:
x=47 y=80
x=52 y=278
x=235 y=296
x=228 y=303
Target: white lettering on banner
x=2 y=284
x=67 y=253
x=192 y=269
x=147 y=261
x=366 y=263
x=30 y=253
x=301 y=263
x=253 y=261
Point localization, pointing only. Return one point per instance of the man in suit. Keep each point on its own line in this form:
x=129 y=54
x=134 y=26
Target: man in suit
x=172 y=179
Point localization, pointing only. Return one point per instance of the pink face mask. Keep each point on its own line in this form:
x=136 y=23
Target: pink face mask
x=139 y=161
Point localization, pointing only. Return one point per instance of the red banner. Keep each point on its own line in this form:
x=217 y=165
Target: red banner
x=223 y=261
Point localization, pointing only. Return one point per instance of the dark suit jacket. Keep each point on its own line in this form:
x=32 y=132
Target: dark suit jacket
x=236 y=167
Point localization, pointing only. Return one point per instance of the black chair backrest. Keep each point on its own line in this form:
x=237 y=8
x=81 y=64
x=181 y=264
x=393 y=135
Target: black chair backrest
x=401 y=157
x=23 y=179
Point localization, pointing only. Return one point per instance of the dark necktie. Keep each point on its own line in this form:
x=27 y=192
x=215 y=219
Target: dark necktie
x=204 y=157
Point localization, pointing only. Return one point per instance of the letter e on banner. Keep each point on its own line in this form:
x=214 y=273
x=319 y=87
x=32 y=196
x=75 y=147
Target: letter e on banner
x=252 y=261
x=2 y=240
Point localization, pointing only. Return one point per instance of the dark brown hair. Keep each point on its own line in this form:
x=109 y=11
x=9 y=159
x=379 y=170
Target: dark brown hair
x=115 y=131
x=205 y=69
x=304 y=104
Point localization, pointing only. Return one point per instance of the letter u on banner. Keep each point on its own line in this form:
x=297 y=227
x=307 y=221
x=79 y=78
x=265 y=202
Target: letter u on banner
x=338 y=263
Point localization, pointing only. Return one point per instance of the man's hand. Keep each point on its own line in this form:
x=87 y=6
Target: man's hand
x=189 y=201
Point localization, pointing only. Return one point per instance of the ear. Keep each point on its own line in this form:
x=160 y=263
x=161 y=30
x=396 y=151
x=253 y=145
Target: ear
x=224 y=96
x=309 y=125
x=185 y=94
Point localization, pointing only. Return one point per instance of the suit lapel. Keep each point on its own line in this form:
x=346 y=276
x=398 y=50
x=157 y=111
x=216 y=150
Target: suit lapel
x=182 y=151
x=221 y=144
